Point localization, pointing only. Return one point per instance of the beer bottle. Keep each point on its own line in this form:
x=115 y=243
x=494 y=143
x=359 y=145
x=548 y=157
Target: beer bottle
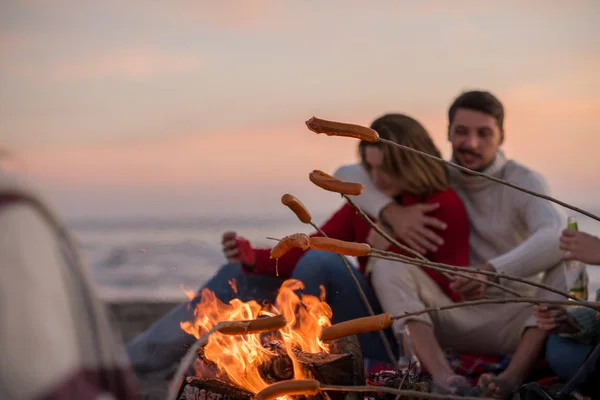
x=576 y=270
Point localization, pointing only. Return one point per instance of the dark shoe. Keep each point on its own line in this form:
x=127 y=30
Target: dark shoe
x=533 y=391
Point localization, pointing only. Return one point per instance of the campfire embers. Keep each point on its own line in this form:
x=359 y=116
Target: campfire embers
x=211 y=389
x=342 y=366
x=231 y=366
x=408 y=378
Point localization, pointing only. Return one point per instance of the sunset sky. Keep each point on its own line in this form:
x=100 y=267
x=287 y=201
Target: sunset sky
x=134 y=107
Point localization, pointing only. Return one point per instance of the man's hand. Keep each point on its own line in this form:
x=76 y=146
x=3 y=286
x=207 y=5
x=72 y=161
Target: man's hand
x=237 y=249
x=471 y=290
x=376 y=241
x=580 y=246
x=555 y=319
x=412 y=226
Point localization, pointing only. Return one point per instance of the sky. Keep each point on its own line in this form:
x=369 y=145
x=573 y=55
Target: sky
x=118 y=108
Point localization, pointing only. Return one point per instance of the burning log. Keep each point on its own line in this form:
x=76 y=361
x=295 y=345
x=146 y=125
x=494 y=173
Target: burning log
x=279 y=367
x=342 y=366
x=331 y=368
x=211 y=389
x=350 y=345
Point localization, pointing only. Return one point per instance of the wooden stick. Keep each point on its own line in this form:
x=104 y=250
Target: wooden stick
x=225 y=326
x=464 y=272
x=381 y=231
x=448 y=274
x=187 y=361
x=426 y=263
x=493 y=179
x=448 y=267
x=305 y=217
x=419 y=255
x=594 y=306
x=363 y=296
x=399 y=392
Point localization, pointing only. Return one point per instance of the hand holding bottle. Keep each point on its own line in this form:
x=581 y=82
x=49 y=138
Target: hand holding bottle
x=580 y=246
x=237 y=250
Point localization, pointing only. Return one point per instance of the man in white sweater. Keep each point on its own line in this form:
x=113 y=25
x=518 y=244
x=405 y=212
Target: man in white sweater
x=511 y=232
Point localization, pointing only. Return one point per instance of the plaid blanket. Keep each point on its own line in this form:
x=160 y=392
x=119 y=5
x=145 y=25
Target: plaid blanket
x=471 y=366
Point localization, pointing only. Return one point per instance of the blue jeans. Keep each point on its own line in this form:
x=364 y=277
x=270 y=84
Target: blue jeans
x=565 y=356
x=164 y=343
x=586 y=375
x=325 y=268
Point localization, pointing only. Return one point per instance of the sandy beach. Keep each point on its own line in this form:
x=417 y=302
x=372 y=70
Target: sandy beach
x=132 y=318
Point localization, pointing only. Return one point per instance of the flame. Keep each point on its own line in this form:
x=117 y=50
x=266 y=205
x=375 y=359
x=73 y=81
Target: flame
x=237 y=357
x=233 y=285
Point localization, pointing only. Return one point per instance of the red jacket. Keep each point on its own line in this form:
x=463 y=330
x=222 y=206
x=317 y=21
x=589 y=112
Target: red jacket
x=347 y=225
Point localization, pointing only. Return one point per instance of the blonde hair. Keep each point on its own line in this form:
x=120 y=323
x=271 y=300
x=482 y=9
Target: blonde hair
x=418 y=175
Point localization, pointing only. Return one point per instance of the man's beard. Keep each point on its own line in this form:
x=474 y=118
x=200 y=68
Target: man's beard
x=472 y=154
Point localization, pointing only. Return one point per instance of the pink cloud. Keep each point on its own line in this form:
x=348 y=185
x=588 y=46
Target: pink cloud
x=257 y=15
x=135 y=63
x=250 y=158
x=417 y=9
x=545 y=123
x=571 y=98
x=128 y=64
x=10 y=42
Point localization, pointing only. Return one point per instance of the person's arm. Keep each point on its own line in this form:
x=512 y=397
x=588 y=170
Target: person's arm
x=578 y=323
x=455 y=249
x=540 y=250
x=580 y=246
x=590 y=326
x=371 y=200
x=411 y=225
x=339 y=226
x=39 y=343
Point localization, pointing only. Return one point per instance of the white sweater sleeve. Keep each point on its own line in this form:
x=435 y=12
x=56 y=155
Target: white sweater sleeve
x=540 y=251
x=371 y=200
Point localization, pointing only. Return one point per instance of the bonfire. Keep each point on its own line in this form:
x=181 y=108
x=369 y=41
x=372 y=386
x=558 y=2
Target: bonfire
x=238 y=358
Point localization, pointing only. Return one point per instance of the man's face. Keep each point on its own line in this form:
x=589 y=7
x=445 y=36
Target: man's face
x=475 y=137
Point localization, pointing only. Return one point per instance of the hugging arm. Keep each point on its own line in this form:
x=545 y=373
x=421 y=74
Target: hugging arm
x=411 y=225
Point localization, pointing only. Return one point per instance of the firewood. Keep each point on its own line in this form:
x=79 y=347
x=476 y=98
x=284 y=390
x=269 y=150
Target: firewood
x=212 y=389
x=342 y=366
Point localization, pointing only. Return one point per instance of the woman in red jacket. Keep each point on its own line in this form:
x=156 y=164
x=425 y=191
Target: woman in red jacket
x=407 y=177
x=403 y=175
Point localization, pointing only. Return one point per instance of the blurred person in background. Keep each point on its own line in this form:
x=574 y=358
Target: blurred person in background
x=56 y=338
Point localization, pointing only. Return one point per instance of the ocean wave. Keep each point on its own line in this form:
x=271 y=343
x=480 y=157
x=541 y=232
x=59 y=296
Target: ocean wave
x=157 y=253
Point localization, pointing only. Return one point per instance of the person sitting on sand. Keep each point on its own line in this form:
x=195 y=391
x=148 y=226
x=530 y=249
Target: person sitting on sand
x=576 y=331
x=56 y=337
x=407 y=178
x=511 y=232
